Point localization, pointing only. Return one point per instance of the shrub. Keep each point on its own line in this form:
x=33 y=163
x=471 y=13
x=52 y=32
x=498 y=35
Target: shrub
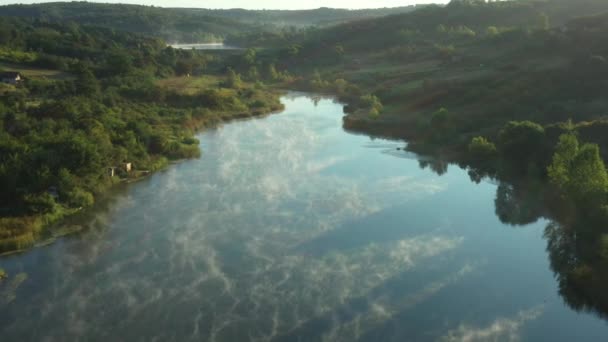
x=79 y=198
x=190 y=141
x=481 y=149
x=440 y=119
x=579 y=171
x=521 y=141
x=374 y=113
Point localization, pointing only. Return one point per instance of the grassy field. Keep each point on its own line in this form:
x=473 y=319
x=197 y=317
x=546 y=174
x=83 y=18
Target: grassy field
x=189 y=85
x=31 y=72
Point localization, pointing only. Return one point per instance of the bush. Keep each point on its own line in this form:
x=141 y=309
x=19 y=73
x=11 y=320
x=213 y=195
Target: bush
x=440 y=119
x=40 y=204
x=579 y=172
x=481 y=149
x=521 y=141
x=79 y=198
x=374 y=113
x=492 y=31
x=371 y=102
x=190 y=141
x=233 y=80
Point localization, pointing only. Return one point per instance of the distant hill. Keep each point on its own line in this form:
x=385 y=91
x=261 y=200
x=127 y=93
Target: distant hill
x=486 y=63
x=391 y=30
x=323 y=16
x=188 y=25
x=173 y=25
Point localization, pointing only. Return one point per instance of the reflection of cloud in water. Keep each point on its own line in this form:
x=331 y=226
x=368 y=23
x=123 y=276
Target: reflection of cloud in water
x=320 y=165
x=382 y=308
x=407 y=185
x=502 y=329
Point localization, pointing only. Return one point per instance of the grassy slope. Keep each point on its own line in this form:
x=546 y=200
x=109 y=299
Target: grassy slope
x=170 y=24
x=189 y=85
x=484 y=80
x=32 y=72
x=313 y=17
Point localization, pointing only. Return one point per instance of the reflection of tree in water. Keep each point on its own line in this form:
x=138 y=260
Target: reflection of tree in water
x=438 y=166
x=580 y=266
x=577 y=240
x=518 y=205
x=577 y=237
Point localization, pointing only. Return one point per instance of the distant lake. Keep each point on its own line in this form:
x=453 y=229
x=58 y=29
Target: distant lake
x=205 y=46
x=289 y=228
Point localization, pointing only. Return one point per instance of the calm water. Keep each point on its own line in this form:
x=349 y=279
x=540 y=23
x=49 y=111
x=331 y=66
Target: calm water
x=290 y=229
x=205 y=46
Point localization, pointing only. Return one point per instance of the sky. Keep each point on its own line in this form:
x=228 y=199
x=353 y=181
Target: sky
x=257 y=4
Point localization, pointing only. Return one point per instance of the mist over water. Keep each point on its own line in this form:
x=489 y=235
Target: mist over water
x=286 y=229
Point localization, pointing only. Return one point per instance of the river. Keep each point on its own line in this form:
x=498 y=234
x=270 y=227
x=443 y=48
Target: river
x=288 y=228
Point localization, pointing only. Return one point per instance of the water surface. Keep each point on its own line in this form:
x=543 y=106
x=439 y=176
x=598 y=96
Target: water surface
x=290 y=229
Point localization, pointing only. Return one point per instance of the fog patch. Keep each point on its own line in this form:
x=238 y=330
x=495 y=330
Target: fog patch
x=502 y=329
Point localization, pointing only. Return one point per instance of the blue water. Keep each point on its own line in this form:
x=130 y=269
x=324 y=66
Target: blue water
x=288 y=228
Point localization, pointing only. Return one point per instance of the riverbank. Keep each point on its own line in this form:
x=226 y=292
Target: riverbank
x=20 y=233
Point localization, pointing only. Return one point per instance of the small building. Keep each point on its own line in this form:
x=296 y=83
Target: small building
x=111 y=171
x=11 y=77
x=128 y=167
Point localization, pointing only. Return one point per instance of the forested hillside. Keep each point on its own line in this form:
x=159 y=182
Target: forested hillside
x=478 y=65
x=185 y=25
x=173 y=25
x=98 y=106
x=301 y=18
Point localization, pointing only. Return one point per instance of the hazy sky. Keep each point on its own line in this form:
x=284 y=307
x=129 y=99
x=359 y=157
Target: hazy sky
x=257 y=4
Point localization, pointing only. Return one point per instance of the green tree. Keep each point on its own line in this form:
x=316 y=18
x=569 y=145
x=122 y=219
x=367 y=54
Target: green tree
x=184 y=67
x=521 y=142
x=79 y=198
x=119 y=63
x=372 y=103
x=272 y=72
x=588 y=177
x=250 y=56
x=86 y=83
x=440 y=119
x=253 y=74
x=492 y=31
x=566 y=150
x=233 y=79
x=481 y=149
x=579 y=172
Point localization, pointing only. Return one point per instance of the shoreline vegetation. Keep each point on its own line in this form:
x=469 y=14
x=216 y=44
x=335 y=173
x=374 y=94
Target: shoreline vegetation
x=123 y=107
x=45 y=229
